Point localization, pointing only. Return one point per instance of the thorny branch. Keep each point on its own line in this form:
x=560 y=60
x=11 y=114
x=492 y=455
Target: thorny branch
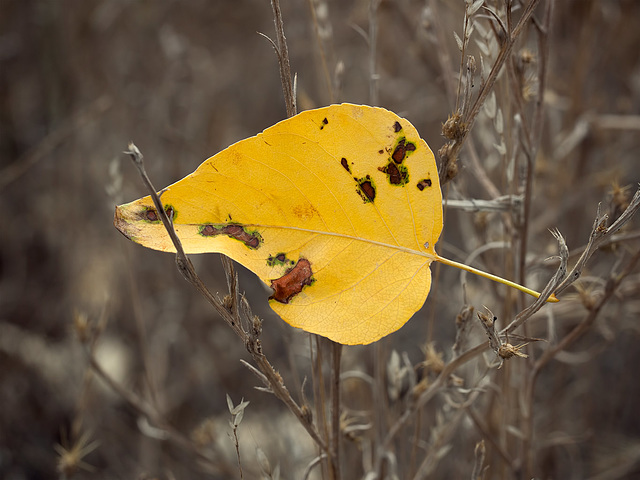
x=610 y=287
x=245 y=325
x=599 y=235
x=548 y=290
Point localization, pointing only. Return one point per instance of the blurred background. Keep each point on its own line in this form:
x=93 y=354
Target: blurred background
x=183 y=80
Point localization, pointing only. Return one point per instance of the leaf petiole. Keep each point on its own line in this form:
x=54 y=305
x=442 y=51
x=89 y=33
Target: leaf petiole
x=490 y=276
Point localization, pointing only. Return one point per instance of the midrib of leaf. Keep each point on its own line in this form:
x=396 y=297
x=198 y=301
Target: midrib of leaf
x=433 y=257
x=345 y=236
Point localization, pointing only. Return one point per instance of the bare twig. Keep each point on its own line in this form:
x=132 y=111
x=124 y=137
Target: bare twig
x=336 y=350
x=283 y=60
x=463 y=321
x=480 y=452
x=312 y=464
x=449 y=152
x=543 y=63
x=600 y=234
x=321 y=39
x=423 y=396
x=488 y=435
x=232 y=318
x=504 y=203
x=548 y=290
x=530 y=135
x=379 y=392
x=237 y=414
x=610 y=287
x=373 y=39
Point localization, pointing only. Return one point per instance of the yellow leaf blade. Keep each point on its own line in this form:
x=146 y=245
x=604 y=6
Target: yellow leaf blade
x=339 y=206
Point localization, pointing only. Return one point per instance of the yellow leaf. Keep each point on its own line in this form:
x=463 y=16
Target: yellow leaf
x=336 y=209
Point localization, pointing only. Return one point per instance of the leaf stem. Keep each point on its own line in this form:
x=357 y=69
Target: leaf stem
x=490 y=276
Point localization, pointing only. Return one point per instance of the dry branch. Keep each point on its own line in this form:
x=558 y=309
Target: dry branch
x=231 y=314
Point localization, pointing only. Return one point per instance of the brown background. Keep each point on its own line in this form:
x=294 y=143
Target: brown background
x=184 y=79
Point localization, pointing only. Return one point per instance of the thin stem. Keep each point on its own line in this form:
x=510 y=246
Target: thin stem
x=336 y=350
x=142 y=340
x=378 y=405
x=490 y=276
x=611 y=286
x=487 y=86
x=237 y=443
x=462 y=55
x=320 y=397
x=252 y=342
x=444 y=58
x=373 y=34
x=283 y=60
x=431 y=391
x=534 y=136
x=321 y=49
x=486 y=433
x=526 y=215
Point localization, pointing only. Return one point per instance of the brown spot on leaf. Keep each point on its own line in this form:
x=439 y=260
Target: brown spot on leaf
x=397 y=127
x=366 y=189
x=150 y=214
x=380 y=152
x=209 y=231
x=324 y=122
x=399 y=153
x=397 y=174
x=345 y=164
x=401 y=150
x=422 y=184
x=292 y=282
x=279 y=259
x=238 y=232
